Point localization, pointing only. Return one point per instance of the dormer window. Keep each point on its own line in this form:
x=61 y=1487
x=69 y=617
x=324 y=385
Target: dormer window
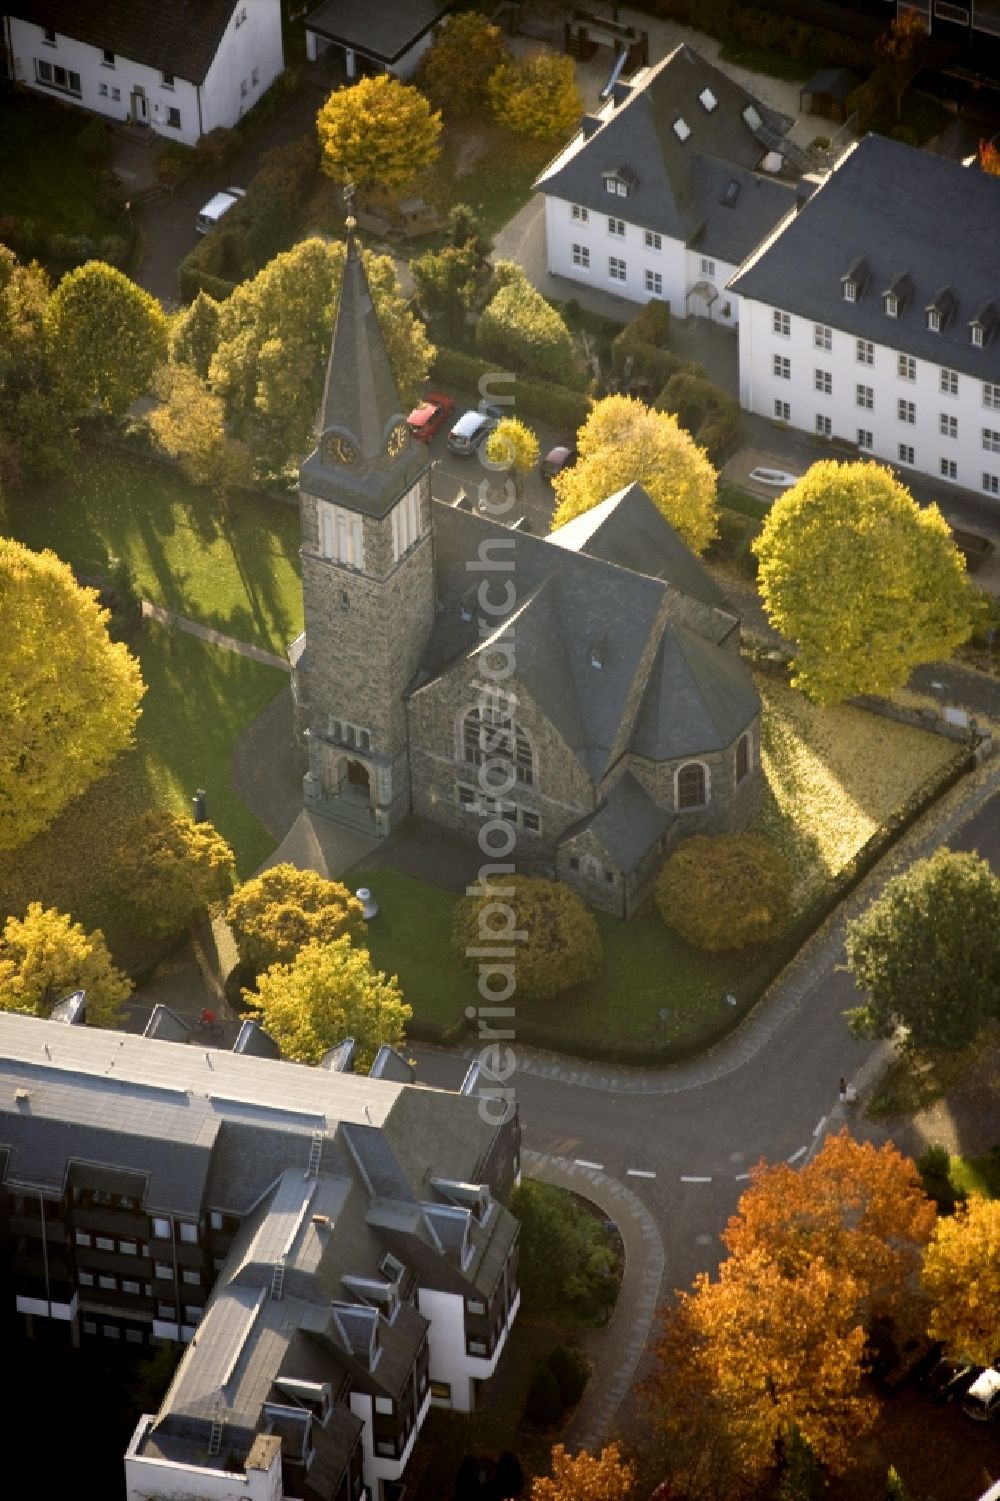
x=891 y=305
x=850 y=291
x=619 y=182
x=707 y=100
x=383 y=1296
x=977 y=335
x=934 y=320
x=981 y=324
x=939 y=309
x=854 y=279
x=751 y=117
x=681 y=128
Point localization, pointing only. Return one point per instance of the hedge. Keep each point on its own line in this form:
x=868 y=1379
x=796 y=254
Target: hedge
x=519 y=327
x=792 y=27
x=532 y=398
x=710 y=415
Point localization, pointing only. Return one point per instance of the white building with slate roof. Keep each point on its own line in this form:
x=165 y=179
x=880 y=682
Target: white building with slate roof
x=873 y=315
x=635 y=721
x=669 y=187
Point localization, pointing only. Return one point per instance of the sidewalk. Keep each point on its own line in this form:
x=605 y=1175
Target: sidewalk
x=213 y=637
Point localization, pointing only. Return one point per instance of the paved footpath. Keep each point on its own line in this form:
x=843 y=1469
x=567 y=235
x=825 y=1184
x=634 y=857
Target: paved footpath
x=215 y=638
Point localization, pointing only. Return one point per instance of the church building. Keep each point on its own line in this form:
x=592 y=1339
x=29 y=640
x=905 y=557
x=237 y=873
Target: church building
x=629 y=719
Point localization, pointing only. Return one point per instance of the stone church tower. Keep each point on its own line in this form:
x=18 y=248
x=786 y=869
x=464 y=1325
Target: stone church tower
x=367 y=576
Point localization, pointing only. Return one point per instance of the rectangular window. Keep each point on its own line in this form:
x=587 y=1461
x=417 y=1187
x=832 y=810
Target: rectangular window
x=441 y=1390
x=991 y=484
x=824 y=426
x=781 y=323
x=949 y=382
x=783 y=411
x=616 y=227
x=864 y=397
x=652 y=240
x=991 y=440
x=891 y=306
x=466 y=796
x=109 y=1284
x=906 y=411
x=531 y=821
x=609 y=185
x=621 y=188
x=191 y=1277
x=165 y=1311
x=616 y=268
x=130 y=1287
x=215 y=1220
x=341 y=536
x=163 y=1271
x=477 y=1347
x=579 y=213
x=188 y=1233
x=193 y=1312
x=161 y=1229
x=406 y=523
x=116 y=95
x=63 y=79
x=85 y=1279
x=905 y=453
x=49 y=37
x=581 y=256
x=934 y=321
x=167 y=80
x=823 y=381
x=781 y=365
x=476 y=1307
x=133 y=1336
x=977 y=336
x=104 y=1243
x=865 y=351
x=865 y=439
x=385 y=1446
x=850 y=292
x=89 y=1326
x=384 y=1406
x=947 y=425
x=102 y=89
x=174 y=117
x=991 y=396
x=906 y=367
x=83 y=1238
x=949 y=469
x=654 y=283
x=707 y=266
x=822 y=336
x=111 y=1331
x=107 y=58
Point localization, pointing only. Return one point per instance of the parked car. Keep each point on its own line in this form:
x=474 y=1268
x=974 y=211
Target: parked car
x=430 y=416
x=557 y=459
x=982 y=1400
x=776 y=479
x=216 y=207
x=472 y=429
x=949 y=1379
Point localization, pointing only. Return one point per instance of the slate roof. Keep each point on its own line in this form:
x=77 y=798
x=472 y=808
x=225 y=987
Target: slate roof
x=905 y=211
x=173 y=36
x=678 y=187
x=699 y=698
x=383 y=29
x=627 y=824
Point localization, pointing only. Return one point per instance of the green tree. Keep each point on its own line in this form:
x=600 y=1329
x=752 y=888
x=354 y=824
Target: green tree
x=194 y=334
x=565 y=1259
x=284 y=908
x=35 y=433
x=554 y=933
x=190 y=426
x=927 y=952
x=45 y=956
x=866 y=583
x=512 y=446
x=377 y=133
x=274 y=339
x=624 y=441
x=895 y=1490
x=518 y=325
x=456 y=68
x=724 y=891
x=537 y=95
x=961 y=1277
x=802 y=1477
x=106 y=338
x=447 y=282
x=172 y=872
x=328 y=992
x=69 y=696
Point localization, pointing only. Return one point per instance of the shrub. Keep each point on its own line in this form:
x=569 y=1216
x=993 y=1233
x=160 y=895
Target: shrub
x=934 y=1167
x=94 y=142
x=284 y=908
x=724 y=891
x=570 y=1369
x=560 y=946
x=171 y=871
x=652 y=321
x=518 y=326
x=565 y=1257
x=536 y=95
x=544 y=1403
x=114 y=249
x=538 y=399
x=709 y=415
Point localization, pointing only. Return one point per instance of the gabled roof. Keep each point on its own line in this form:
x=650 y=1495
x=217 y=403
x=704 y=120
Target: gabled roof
x=674 y=191
x=627 y=824
x=382 y=29
x=173 y=36
x=700 y=697
x=900 y=210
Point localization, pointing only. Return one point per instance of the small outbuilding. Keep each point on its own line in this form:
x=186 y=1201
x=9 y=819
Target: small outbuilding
x=381 y=36
x=826 y=93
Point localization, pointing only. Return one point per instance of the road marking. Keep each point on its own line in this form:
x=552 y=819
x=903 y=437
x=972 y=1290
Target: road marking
x=819 y=1126
x=800 y=1153
x=581 y=1162
x=687 y=1179
x=638 y=1172
x=742 y=1177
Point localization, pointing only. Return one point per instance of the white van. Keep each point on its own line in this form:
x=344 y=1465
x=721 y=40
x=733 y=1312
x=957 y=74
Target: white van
x=216 y=207
x=982 y=1400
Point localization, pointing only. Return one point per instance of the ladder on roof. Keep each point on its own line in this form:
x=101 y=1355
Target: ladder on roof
x=278 y=1281
x=215 y=1437
x=315 y=1153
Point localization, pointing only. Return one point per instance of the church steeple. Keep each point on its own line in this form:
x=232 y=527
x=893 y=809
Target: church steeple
x=364 y=457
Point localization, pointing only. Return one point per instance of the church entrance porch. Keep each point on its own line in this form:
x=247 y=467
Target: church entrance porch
x=342 y=786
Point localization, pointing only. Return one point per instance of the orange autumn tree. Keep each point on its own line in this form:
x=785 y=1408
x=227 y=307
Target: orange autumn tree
x=587 y=1477
x=989 y=158
x=860 y=1209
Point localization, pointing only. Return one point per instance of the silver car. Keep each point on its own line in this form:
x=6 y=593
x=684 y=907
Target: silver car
x=472 y=429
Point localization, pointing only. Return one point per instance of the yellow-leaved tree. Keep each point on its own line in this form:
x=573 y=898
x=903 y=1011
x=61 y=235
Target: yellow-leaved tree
x=537 y=95
x=512 y=445
x=328 y=992
x=961 y=1276
x=865 y=582
x=190 y=426
x=379 y=133
x=171 y=871
x=586 y=1477
x=624 y=441
x=467 y=49
x=106 y=338
x=554 y=935
x=284 y=908
x=69 y=696
x=45 y=955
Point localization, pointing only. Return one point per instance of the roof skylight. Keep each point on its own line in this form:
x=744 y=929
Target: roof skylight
x=681 y=128
x=707 y=100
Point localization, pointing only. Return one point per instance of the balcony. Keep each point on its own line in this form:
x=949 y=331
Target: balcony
x=32 y=1300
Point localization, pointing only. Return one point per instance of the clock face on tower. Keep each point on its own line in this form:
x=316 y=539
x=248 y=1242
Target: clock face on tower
x=397 y=440
x=338 y=450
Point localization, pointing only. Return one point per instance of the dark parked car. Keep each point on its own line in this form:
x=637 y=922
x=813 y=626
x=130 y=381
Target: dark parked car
x=556 y=460
x=949 y=1379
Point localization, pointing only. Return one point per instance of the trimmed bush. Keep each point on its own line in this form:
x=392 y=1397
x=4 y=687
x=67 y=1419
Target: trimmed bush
x=519 y=327
x=710 y=416
x=570 y=1369
x=544 y=1404
x=537 y=399
x=724 y=891
x=278 y=912
x=560 y=945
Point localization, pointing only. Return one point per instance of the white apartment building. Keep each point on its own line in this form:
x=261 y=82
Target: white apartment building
x=669 y=187
x=180 y=67
x=871 y=316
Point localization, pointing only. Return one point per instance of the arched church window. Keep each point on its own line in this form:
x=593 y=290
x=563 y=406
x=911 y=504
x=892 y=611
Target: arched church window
x=691 y=786
x=487 y=735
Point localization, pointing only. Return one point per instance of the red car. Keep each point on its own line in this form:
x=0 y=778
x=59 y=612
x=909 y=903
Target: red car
x=432 y=414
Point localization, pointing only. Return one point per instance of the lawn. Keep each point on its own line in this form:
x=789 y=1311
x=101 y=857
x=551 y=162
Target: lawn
x=238 y=574
x=199 y=699
x=43 y=176
x=977 y=1175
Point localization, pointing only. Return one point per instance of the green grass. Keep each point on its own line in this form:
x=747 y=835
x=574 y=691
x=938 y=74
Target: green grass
x=977 y=1175
x=42 y=174
x=238 y=575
